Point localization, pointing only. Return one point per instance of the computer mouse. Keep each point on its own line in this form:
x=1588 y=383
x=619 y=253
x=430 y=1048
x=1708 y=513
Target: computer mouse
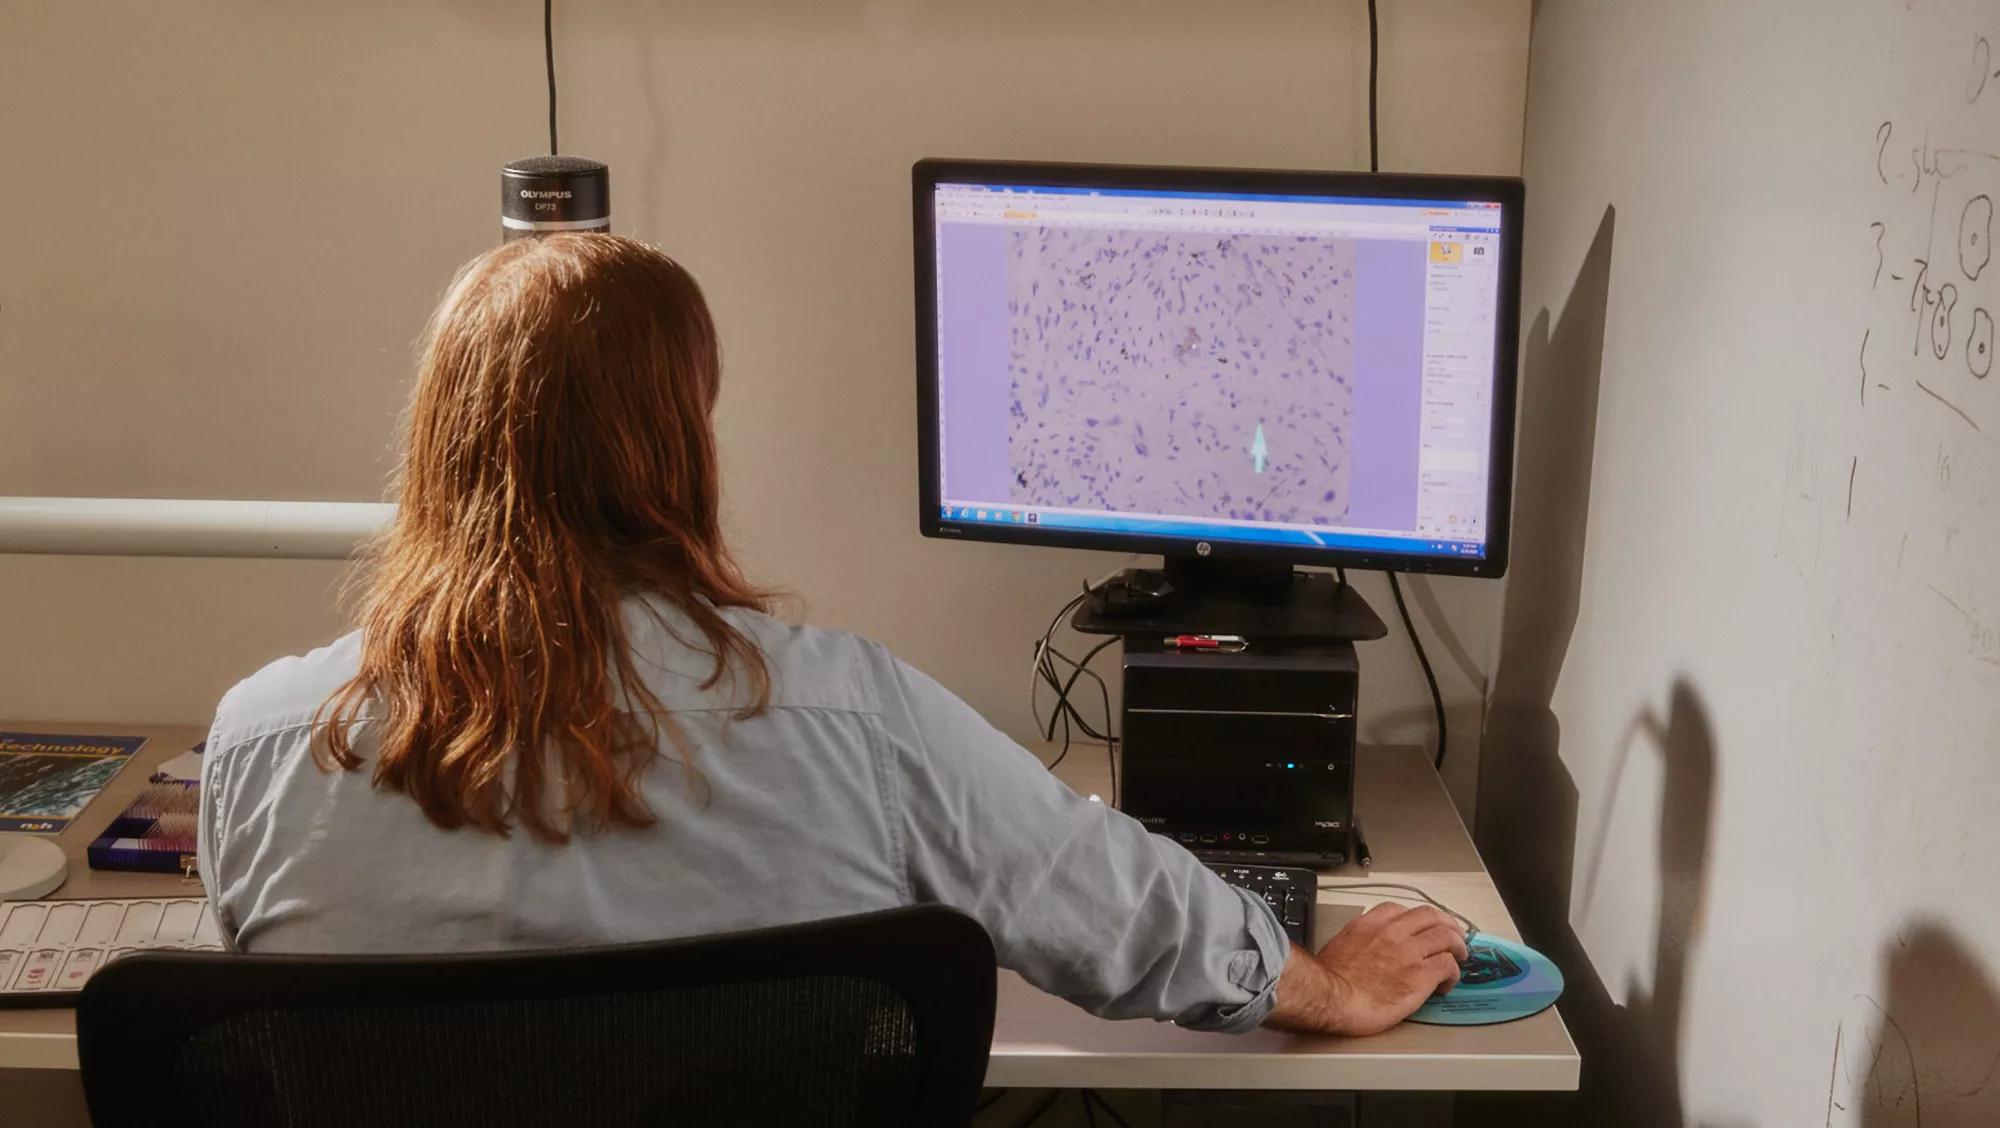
x=1486 y=963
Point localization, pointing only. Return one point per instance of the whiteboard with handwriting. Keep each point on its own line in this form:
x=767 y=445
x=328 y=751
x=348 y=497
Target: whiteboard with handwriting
x=1743 y=762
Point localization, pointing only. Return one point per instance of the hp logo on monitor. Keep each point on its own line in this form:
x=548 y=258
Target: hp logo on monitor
x=1201 y=548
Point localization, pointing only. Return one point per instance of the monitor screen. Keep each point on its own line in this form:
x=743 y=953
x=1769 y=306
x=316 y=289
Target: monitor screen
x=1314 y=367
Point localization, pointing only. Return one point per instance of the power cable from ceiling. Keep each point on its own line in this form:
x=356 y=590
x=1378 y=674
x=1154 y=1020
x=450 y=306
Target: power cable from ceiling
x=1395 y=584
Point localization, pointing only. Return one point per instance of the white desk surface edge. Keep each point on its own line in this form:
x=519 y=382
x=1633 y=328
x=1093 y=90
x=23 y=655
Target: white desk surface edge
x=1531 y=1054
x=1410 y=817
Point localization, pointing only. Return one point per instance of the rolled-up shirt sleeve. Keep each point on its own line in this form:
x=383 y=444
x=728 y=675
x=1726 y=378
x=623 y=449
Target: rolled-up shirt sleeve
x=1080 y=899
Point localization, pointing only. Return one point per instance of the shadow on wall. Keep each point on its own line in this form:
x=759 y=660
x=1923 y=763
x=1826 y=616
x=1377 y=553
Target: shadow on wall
x=1685 y=745
x=1638 y=1045
x=1527 y=801
x=1528 y=809
x=1931 y=1055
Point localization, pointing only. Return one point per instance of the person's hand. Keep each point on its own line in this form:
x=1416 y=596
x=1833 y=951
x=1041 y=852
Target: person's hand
x=1390 y=959
x=1372 y=974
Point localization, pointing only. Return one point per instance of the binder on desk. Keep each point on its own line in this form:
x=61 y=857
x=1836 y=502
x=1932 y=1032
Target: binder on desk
x=156 y=834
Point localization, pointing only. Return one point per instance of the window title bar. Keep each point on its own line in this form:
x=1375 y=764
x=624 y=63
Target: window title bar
x=1175 y=193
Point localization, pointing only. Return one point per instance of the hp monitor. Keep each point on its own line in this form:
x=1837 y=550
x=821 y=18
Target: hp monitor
x=1256 y=366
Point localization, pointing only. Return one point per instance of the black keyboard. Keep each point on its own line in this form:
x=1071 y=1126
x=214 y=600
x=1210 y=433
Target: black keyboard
x=1288 y=890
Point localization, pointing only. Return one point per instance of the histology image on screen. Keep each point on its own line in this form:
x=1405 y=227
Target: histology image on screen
x=1183 y=373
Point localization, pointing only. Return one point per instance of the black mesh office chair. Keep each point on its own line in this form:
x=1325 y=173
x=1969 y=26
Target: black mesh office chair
x=881 y=1019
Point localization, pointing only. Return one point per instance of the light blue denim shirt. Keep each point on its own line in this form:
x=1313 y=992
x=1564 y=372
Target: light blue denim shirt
x=865 y=786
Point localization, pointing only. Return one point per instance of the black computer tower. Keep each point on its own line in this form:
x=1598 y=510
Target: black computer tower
x=1246 y=756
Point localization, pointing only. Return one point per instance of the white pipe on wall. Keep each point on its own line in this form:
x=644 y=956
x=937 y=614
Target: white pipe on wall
x=106 y=526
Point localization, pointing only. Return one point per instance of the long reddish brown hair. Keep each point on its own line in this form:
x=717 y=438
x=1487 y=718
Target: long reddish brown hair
x=560 y=459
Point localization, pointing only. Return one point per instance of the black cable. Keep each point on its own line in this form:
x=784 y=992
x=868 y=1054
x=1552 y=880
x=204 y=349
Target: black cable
x=549 y=56
x=1374 y=63
x=1414 y=891
x=1064 y=754
x=1110 y=749
x=1089 y=730
x=1110 y=742
x=1043 y=672
x=1067 y=710
x=1039 y=670
x=1064 y=708
x=1043 y=1109
x=1048 y=676
x=1089 y=1113
x=1375 y=165
x=1417 y=644
x=1082 y=723
x=1062 y=696
x=1090 y=1095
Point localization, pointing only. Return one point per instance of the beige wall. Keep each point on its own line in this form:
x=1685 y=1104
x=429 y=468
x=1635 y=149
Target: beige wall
x=226 y=222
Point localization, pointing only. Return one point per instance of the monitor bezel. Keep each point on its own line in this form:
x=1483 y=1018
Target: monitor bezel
x=1508 y=192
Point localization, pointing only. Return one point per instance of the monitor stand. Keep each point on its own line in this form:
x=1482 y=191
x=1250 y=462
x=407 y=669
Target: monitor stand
x=1262 y=602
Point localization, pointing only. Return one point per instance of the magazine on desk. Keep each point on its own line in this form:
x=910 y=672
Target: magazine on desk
x=46 y=779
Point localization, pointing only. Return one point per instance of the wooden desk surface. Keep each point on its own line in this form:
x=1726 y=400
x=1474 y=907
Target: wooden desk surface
x=1416 y=838
x=1043 y=1041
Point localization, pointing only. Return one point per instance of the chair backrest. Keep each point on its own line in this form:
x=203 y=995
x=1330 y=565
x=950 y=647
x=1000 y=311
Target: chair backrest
x=884 y=1018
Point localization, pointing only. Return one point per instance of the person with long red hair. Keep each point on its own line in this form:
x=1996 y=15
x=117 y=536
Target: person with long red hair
x=566 y=717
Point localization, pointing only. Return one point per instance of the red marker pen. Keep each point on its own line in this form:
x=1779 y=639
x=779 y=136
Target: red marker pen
x=1206 y=642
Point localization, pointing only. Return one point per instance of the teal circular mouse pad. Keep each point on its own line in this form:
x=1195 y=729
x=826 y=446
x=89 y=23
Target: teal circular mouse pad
x=1500 y=981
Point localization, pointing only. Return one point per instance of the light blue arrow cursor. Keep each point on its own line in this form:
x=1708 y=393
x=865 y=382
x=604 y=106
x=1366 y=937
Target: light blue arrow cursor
x=1259 y=450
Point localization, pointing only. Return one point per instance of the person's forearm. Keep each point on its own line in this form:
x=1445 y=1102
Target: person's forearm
x=1309 y=996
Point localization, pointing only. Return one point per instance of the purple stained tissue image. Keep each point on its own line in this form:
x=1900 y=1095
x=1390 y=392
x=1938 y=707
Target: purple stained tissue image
x=1206 y=375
